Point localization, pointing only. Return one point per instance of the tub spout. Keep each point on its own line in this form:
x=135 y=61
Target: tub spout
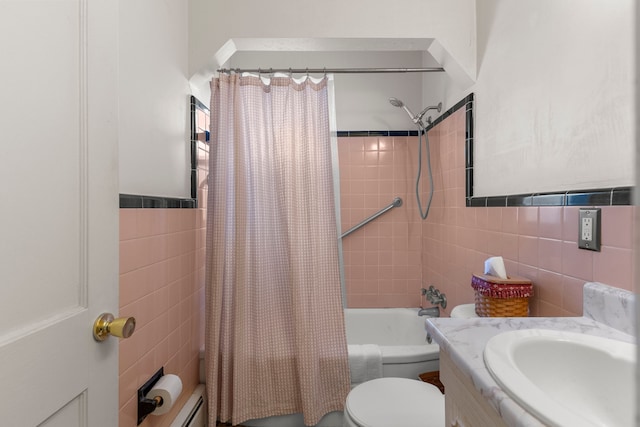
x=429 y=312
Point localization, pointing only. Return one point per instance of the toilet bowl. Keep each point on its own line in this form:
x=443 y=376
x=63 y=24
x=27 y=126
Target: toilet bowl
x=464 y=311
x=385 y=402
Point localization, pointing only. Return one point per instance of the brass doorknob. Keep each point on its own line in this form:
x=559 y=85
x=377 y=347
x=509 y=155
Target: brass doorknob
x=106 y=325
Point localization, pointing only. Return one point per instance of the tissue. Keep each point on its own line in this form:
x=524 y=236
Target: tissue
x=169 y=388
x=494 y=266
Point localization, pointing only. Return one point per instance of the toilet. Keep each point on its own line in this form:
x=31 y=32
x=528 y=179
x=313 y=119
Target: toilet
x=464 y=311
x=403 y=402
x=385 y=402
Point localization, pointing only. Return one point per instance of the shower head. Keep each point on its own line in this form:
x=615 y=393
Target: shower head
x=415 y=118
x=398 y=103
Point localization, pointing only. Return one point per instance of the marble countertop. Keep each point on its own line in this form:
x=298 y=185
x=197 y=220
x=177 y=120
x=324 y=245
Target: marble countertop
x=464 y=341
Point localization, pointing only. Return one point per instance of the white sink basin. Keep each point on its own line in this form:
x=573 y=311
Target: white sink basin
x=566 y=378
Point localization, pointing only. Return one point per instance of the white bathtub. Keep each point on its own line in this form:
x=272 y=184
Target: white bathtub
x=401 y=335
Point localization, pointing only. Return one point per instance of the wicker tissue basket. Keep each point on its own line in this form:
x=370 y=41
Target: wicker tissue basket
x=497 y=297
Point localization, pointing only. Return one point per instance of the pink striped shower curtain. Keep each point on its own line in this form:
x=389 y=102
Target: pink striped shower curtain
x=275 y=339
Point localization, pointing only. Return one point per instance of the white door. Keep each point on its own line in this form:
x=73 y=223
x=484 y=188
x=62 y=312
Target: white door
x=58 y=211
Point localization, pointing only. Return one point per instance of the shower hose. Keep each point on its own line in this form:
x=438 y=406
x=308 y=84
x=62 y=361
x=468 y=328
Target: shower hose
x=425 y=213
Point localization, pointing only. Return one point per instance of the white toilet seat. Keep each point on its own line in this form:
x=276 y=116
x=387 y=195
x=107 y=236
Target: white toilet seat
x=464 y=311
x=385 y=402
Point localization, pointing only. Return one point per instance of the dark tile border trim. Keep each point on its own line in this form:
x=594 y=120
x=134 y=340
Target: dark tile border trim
x=379 y=133
x=195 y=105
x=135 y=201
x=619 y=196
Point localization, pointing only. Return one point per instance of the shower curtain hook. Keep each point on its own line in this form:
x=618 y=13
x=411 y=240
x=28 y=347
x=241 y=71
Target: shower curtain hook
x=307 y=69
x=290 y=73
x=324 y=70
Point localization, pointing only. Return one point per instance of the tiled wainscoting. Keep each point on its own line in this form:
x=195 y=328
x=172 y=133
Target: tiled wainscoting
x=162 y=286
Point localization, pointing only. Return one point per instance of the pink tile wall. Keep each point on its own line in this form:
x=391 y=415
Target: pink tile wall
x=382 y=259
x=162 y=286
x=390 y=259
x=539 y=243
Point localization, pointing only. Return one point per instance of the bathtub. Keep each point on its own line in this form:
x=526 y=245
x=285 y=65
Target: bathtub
x=399 y=332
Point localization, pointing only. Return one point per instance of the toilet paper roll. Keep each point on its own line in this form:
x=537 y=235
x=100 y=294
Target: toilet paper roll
x=494 y=266
x=168 y=388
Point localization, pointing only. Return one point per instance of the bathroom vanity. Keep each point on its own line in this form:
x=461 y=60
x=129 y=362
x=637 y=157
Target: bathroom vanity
x=473 y=398
x=465 y=406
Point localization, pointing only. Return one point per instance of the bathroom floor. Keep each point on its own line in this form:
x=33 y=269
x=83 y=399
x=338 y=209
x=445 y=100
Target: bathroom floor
x=428 y=377
x=433 y=378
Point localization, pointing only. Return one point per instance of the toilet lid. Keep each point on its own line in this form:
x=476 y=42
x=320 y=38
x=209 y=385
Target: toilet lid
x=385 y=402
x=464 y=311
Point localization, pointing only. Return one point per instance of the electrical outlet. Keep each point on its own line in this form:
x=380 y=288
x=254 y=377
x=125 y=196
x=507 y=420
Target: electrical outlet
x=589 y=229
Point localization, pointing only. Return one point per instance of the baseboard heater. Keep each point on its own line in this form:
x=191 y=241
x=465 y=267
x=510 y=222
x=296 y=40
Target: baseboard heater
x=194 y=411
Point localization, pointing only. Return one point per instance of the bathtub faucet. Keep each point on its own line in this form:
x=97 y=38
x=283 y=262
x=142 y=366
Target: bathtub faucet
x=429 y=312
x=434 y=296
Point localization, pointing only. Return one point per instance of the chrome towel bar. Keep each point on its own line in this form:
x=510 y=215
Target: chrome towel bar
x=397 y=202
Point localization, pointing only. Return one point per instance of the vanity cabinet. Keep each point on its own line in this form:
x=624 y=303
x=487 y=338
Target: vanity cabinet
x=464 y=405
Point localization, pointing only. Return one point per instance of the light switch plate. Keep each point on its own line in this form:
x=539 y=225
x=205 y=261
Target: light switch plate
x=589 y=229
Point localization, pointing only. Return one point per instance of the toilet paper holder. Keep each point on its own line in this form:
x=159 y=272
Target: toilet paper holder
x=146 y=405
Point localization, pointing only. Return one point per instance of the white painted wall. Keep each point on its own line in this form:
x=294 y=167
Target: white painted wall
x=154 y=98
x=554 y=95
x=213 y=23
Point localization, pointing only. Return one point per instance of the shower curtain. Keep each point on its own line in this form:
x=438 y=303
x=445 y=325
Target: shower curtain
x=275 y=339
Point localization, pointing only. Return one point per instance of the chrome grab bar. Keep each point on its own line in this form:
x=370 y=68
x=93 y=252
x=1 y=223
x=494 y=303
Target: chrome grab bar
x=397 y=202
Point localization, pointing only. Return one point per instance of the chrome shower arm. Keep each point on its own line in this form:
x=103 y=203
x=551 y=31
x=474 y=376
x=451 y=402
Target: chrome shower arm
x=423 y=112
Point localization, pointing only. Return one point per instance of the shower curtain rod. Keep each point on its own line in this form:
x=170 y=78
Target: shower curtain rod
x=330 y=70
